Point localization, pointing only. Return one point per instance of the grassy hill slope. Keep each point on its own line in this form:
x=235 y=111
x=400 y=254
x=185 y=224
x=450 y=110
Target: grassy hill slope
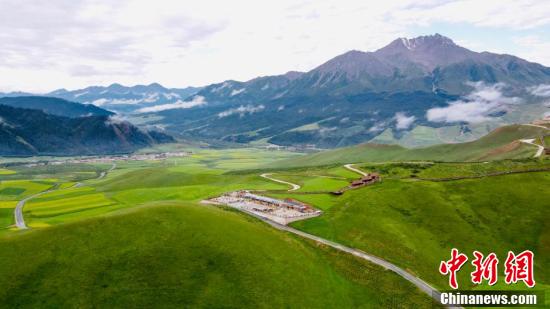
x=416 y=223
x=499 y=144
x=187 y=256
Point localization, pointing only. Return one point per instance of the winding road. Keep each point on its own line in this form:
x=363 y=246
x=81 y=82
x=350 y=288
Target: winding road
x=103 y=174
x=353 y=169
x=421 y=284
x=18 y=212
x=530 y=142
x=19 y=220
x=294 y=186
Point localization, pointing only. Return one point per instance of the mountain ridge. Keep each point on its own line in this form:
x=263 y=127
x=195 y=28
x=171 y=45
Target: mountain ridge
x=26 y=132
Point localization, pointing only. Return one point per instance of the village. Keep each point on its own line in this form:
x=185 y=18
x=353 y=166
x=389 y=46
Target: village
x=279 y=211
x=113 y=158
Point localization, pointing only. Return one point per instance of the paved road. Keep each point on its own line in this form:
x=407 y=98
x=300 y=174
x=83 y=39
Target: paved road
x=19 y=220
x=18 y=213
x=103 y=174
x=530 y=142
x=293 y=185
x=422 y=285
x=353 y=169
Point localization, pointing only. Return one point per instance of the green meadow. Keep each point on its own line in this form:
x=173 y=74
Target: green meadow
x=139 y=237
x=500 y=144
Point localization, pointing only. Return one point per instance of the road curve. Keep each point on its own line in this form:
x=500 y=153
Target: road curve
x=530 y=142
x=18 y=212
x=19 y=220
x=353 y=169
x=103 y=174
x=294 y=186
x=421 y=284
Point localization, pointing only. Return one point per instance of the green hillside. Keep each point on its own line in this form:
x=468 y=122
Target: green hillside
x=499 y=144
x=414 y=223
x=180 y=255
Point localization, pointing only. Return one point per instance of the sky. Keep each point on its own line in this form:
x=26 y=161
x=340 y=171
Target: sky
x=47 y=45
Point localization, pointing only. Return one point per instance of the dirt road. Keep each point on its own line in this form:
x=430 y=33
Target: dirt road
x=294 y=186
x=530 y=141
x=353 y=169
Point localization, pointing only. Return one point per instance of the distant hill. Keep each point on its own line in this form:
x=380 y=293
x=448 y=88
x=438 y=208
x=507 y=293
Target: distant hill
x=413 y=92
x=501 y=143
x=55 y=106
x=123 y=99
x=32 y=132
x=357 y=96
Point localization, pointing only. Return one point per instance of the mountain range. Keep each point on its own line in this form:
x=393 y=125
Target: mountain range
x=25 y=132
x=55 y=106
x=119 y=98
x=414 y=92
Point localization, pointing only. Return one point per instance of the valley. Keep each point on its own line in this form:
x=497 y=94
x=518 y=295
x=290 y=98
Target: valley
x=455 y=204
x=345 y=182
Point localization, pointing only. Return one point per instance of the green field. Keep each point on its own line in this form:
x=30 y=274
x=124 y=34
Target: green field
x=140 y=237
x=500 y=144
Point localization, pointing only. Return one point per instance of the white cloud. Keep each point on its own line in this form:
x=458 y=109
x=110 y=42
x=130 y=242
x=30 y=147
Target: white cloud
x=476 y=106
x=197 y=101
x=237 y=91
x=115 y=119
x=533 y=48
x=100 y=102
x=403 y=121
x=541 y=90
x=241 y=110
x=74 y=44
x=380 y=126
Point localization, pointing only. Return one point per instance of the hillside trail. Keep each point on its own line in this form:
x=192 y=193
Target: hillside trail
x=294 y=186
x=18 y=212
x=530 y=141
x=535 y=125
x=356 y=170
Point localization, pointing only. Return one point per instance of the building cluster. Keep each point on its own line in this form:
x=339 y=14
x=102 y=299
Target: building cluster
x=365 y=180
x=282 y=211
x=287 y=203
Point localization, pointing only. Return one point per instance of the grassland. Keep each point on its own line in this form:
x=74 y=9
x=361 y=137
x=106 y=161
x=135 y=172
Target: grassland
x=414 y=223
x=500 y=144
x=138 y=237
x=186 y=256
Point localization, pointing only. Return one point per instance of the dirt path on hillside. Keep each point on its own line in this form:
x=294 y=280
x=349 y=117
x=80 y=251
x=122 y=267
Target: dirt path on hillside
x=294 y=186
x=353 y=169
x=535 y=125
x=530 y=142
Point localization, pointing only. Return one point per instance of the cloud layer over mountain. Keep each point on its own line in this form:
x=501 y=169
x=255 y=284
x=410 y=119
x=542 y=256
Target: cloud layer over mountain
x=477 y=106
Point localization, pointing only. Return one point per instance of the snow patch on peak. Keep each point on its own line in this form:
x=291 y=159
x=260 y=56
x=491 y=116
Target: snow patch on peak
x=237 y=91
x=406 y=43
